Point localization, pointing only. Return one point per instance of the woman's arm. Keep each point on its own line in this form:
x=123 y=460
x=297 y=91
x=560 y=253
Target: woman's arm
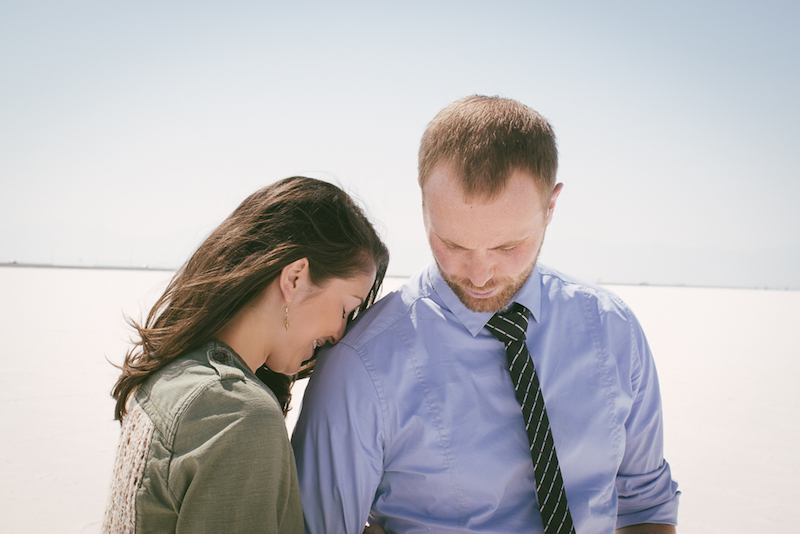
x=233 y=467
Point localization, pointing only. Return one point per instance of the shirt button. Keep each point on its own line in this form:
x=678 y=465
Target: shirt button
x=220 y=356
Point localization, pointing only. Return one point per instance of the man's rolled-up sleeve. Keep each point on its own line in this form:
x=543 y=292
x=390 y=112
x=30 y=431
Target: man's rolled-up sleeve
x=645 y=487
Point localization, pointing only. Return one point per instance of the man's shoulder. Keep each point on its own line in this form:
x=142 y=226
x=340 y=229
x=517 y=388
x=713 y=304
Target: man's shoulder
x=391 y=313
x=570 y=305
x=558 y=286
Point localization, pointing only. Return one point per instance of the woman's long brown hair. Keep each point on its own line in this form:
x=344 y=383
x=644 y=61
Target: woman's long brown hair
x=291 y=219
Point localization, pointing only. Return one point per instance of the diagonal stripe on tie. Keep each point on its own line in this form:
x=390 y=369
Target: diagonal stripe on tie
x=510 y=328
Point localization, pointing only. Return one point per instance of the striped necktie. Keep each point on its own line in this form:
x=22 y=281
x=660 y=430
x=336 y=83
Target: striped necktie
x=510 y=328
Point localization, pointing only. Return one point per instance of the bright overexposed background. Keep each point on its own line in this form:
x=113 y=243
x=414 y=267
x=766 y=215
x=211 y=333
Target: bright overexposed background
x=727 y=360
x=128 y=130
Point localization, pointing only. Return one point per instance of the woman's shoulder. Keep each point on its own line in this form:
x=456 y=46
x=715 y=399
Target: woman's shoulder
x=203 y=384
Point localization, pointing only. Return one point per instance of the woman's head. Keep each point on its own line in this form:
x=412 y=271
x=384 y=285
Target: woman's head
x=289 y=220
x=293 y=219
x=261 y=333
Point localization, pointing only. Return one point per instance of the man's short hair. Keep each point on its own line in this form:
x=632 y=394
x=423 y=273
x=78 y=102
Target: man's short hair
x=485 y=139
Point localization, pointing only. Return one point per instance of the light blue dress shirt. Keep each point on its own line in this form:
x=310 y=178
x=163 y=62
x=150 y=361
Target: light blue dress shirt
x=412 y=420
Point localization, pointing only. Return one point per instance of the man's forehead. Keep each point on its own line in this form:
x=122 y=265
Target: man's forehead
x=446 y=179
x=479 y=229
x=445 y=195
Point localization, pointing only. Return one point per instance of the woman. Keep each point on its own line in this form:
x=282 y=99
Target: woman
x=204 y=447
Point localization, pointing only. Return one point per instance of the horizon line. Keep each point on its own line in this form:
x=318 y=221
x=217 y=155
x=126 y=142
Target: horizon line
x=165 y=269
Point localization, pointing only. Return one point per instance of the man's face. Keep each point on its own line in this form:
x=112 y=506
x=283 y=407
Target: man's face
x=485 y=250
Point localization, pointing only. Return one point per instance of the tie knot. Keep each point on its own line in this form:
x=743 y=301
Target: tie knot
x=510 y=325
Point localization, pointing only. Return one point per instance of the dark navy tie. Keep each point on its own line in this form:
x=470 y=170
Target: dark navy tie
x=510 y=328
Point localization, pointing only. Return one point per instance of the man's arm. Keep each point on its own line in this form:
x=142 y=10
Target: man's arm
x=338 y=444
x=647 y=528
x=648 y=496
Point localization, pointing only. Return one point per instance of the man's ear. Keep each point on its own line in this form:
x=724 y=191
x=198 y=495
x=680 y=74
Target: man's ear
x=553 y=197
x=293 y=277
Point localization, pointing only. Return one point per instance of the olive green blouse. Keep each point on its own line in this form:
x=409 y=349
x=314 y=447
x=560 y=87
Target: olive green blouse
x=204 y=448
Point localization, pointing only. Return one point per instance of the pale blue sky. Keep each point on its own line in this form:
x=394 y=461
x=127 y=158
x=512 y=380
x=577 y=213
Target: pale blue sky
x=128 y=130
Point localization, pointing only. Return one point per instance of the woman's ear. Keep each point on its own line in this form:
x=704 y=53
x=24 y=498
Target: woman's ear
x=293 y=277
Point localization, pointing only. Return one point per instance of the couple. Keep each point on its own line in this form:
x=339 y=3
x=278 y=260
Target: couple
x=489 y=394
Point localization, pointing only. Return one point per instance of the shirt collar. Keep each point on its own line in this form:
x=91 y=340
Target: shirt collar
x=530 y=296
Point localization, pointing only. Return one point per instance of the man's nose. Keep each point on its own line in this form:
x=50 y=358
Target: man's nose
x=479 y=269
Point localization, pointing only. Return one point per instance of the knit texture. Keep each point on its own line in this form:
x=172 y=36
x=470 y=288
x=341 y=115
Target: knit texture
x=134 y=443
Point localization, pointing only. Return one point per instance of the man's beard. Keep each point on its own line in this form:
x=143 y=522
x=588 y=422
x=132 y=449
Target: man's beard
x=508 y=288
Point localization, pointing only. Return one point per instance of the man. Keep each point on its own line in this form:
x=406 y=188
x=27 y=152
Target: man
x=418 y=420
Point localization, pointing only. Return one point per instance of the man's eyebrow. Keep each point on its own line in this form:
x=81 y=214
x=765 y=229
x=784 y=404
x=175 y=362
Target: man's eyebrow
x=450 y=243
x=510 y=244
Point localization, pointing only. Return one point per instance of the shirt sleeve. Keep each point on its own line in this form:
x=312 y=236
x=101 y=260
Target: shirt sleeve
x=232 y=469
x=338 y=443
x=647 y=493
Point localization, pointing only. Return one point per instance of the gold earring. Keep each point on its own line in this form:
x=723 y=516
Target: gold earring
x=286 y=307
